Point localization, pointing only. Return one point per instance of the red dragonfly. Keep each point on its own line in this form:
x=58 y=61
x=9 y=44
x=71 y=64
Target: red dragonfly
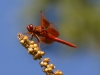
x=46 y=33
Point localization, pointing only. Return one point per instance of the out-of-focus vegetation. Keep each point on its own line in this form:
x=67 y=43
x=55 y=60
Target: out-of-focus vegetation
x=77 y=20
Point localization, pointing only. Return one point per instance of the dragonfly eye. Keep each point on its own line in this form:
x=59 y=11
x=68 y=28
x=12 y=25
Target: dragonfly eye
x=30 y=28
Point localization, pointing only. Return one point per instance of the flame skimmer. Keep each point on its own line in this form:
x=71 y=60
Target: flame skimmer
x=46 y=33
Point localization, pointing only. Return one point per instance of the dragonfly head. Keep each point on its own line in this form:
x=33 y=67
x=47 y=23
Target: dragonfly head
x=30 y=28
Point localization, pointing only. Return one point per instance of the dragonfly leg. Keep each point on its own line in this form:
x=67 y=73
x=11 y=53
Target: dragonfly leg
x=31 y=35
x=38 y=39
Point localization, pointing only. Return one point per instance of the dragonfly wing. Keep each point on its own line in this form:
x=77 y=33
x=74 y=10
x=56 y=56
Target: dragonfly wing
x=44 y=23
x=52 y=31
x=47 y=40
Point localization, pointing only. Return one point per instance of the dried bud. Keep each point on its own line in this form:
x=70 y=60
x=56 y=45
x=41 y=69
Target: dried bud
x=36 y=52
x=26 y=46
x=37 y=57
x=36 y=49
x=35 y=45
x=43 y=64
x=51 y=66
x=39 y=53
x=31 y=42
x=25 y=38
x=30 y=50
x=20 y=36
x=42 y=53
x=49 y=70
x=58 y=72
x=46 y=60
x=22 y=41
x=45 y=70
x=31 y=46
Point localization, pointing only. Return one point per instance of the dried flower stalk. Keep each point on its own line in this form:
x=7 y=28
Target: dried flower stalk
x=35 y=51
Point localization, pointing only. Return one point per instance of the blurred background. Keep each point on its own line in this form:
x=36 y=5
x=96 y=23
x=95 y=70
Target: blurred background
x=77 y=22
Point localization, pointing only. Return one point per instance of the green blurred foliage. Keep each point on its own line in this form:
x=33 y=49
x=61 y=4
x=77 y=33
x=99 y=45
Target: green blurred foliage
x=79 y=20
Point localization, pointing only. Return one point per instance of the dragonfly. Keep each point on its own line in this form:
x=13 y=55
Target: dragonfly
x=46 y=33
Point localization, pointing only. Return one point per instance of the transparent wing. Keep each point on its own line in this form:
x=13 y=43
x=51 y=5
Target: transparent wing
x=44 y=23
x=52 y=31
x=47 y=40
